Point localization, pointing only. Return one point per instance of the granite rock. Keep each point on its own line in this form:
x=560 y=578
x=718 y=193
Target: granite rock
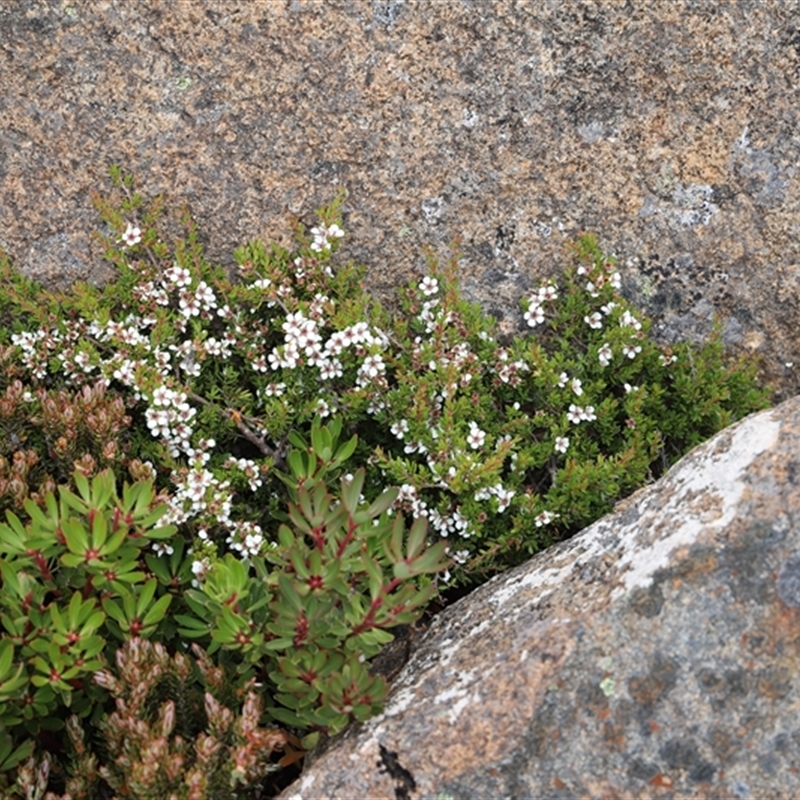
x=667 y=127
x=656 y=654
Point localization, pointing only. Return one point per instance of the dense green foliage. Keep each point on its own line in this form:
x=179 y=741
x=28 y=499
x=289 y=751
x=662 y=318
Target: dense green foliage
x=275 y=469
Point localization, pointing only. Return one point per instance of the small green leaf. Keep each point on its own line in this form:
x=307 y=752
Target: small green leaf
x=157 y=611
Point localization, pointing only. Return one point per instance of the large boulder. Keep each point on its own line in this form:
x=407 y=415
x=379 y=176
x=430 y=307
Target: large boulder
x=656 y=654
x=667 y=127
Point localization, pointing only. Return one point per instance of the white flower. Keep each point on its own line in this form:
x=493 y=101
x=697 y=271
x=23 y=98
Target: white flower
x=322 y=409
x=631 y=350
x=607 y=309
x=180 y=276
x=545 y=518
x=588 y=414
x=334 y=231
x=667 y=359
x=627 y=319
x=162 y=396
x=372 y=366
x=429 y=286
x=576 y=386
x=562 y=443
x=274 y=389
x=205 y=296
x=575 y=414
x=592 y=289
x=476 y=436
x=321 y=236
x=604 y=354
x=548 y=292
x=132 y=235
x=629 y=388
x=189 y=305
x=400 y=429
x=534 y=315
x=504 y=497
x=594 y=321
x=562 y=380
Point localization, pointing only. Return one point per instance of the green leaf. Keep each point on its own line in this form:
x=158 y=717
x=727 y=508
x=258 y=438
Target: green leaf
x=102 y=488
x=297 y=464
x=383 y=502
x=351 y=492
x=376 y=577
x=76 y=536
x=417 y=537
x=346 y=450
x=82 y=485
x=114 y=610
x=145 y=597
x=157 y=611
x=287 y=595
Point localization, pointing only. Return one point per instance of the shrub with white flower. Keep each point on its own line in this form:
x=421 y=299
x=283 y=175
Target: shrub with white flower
x=484 y=436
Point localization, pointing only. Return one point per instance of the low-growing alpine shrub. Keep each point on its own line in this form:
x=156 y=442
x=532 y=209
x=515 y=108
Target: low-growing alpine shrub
x=270 y=467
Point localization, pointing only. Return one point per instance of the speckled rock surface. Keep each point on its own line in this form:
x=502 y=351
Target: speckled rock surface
x=667 y=127
x=656 y=654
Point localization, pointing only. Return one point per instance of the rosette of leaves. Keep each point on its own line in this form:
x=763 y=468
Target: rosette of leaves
x=343 y=572
x=61 y=572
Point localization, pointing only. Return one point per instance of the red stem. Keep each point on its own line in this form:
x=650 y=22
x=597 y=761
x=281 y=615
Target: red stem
x=351 y=530
x=369 y=620
x=43 y=568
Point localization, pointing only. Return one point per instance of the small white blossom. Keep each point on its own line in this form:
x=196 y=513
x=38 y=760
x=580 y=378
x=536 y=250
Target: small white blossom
x=205 y=296
x=576 y=386
x=132 y=235
x=476 y=436
x=604 y=354
x=628 y=320
x=535 y=314
x=178 y=275
x=400 y=429
x=545 y=518
x=322 y=409
x=562 y=443
x=429 y=286
x=504 y=497
x=274 y=389
x=594 y=321
x=631 y=350
x=372 y=367
x=162 y=396
x=548 y=292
